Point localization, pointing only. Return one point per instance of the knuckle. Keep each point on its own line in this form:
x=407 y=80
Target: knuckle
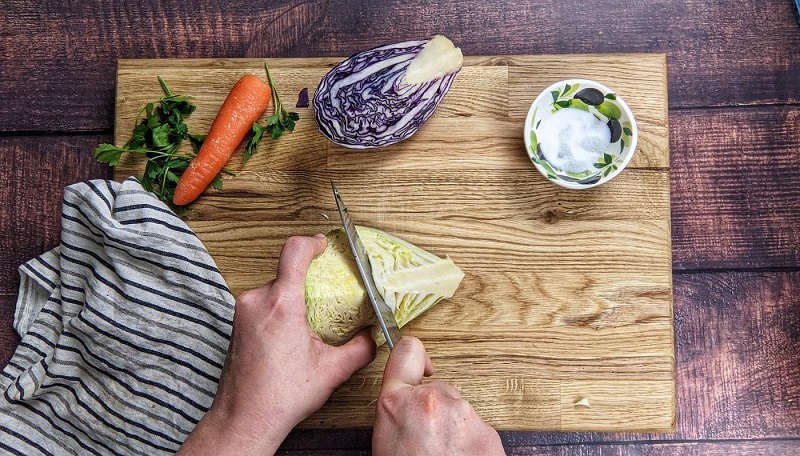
x=464 y=408
x=428 y=398
x=295 y=243
x=247 y=306
x=280 y=302
x=248 y=299
x=276 y=300
x=389 y=403
x=427 y=394
x=410 y=344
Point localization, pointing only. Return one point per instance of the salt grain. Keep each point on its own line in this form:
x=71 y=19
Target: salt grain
x=573 y=140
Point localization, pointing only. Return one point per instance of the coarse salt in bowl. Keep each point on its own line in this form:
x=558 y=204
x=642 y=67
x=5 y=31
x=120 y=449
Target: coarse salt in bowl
x=580 y=134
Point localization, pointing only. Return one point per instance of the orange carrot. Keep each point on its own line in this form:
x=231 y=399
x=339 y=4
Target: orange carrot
x=245 y=103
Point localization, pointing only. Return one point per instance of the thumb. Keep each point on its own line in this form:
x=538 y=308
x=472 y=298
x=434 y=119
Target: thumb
x=408 y=363
x=353 y=356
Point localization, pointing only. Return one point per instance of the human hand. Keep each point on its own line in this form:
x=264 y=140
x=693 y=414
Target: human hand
x=424 y=419
x=278 y=371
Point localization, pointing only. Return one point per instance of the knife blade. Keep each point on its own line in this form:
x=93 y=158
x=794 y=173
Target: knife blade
x=385 y=316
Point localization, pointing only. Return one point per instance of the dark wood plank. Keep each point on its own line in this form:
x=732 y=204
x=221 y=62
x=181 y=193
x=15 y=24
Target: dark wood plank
x=8 y=336
x=722 y=53
x=333 y=439
x=36 y=170
x=735 y=188
x=736 y=351
x=729 y=448
x=736 y=332
x=735 y=448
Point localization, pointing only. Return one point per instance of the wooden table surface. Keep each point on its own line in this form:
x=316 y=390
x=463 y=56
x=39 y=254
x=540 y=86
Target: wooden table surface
x=734 y=111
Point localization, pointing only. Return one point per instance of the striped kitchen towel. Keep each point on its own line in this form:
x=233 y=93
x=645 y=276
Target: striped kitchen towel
x=124 y=328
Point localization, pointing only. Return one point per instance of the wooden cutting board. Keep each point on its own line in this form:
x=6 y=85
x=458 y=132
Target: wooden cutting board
x=564 y=319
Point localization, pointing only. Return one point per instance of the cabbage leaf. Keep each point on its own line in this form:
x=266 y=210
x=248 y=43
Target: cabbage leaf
x=410 y=279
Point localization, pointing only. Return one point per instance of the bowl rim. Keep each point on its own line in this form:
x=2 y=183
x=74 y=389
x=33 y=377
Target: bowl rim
x=541 y=99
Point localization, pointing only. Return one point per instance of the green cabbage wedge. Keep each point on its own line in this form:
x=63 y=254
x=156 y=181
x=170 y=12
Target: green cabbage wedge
x=410 y=280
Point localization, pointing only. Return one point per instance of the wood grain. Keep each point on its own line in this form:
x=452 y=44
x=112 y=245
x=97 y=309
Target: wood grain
x=738 y=370
x=567 y=294
x=754 y=448
x=36 y=172
x=741 y=448
x=737 y=379
x=735 y=396
x=750 y=331
x=8 y=336
x=722 y=53
x=739 y=179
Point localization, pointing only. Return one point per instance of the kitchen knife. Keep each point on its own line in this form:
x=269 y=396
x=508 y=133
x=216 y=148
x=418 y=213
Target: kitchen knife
x=386 y=318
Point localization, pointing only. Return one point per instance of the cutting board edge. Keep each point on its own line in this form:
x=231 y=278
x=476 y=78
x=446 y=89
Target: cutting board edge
x=125 y=65
x=478 y=60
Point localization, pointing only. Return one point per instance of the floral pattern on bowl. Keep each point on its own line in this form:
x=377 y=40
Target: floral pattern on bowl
x=605 y=105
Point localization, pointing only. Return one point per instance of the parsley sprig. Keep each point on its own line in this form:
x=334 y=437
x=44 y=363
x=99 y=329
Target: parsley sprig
x=159 y=131
x=279 y=122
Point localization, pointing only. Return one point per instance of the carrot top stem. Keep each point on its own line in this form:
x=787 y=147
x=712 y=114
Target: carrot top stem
x=164 y=86
x=277 y=123
x=278 y=104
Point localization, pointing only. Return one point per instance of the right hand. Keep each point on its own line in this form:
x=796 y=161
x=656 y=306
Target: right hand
x=413 y=418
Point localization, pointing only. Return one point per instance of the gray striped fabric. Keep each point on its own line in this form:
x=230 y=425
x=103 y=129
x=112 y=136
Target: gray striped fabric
x=124 y=327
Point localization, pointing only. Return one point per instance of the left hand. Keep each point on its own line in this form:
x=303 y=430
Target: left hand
x=278 y=371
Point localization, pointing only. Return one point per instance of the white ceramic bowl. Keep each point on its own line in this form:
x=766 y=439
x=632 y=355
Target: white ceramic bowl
x=606 y=106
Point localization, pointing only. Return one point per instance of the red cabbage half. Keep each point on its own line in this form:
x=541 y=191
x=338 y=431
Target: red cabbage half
x=383 y=95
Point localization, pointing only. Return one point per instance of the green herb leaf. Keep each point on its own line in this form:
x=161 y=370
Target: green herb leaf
x=197 y=141
x=278 y=123
x=252 y=143
x=159 y=131
x=108 y=154
x=217 y=182
x=137 y=139
x=171 y=175
x=161 y=135
x=277 y=131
